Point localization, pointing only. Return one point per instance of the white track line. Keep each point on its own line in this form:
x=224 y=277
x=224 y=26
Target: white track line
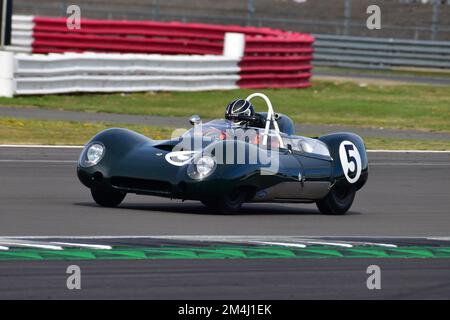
x=36 y=161
x=225 y=237
x=4 y=248
x=30 y=245
x=82 y=245
x=39 y=146
x=283 y=244
x=407 y=151
x=297 y=241
x=409 y=164
x=327 y=243
x=375 y=244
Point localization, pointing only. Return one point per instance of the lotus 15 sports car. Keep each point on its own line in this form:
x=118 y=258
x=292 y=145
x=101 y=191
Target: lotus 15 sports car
x=227 y=162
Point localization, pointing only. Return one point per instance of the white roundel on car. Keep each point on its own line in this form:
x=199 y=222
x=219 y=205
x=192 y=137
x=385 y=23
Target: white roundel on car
x=179 y=158
x=350 y=161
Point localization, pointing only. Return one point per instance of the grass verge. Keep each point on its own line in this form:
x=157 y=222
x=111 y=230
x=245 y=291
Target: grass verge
x=17 y=131
x=418 y=107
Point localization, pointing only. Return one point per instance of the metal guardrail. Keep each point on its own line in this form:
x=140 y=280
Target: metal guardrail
x=380 y=53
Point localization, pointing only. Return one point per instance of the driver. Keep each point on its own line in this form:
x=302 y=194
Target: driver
x=241 y=112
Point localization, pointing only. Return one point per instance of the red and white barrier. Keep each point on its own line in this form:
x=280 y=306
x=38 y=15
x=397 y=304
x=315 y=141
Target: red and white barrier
x=265 y=57
x=22 y=34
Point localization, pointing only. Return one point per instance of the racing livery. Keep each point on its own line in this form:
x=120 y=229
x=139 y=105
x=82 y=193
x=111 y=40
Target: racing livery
x=246 y=157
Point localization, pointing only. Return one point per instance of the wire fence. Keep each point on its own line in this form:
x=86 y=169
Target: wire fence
x=405 y=19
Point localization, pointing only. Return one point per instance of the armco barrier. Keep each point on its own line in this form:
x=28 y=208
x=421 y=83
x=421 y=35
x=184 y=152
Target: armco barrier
x=96 y=72
x=272 y=58
x=380 y=53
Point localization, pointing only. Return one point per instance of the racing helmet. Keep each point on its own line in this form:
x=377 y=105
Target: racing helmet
x=239 y=107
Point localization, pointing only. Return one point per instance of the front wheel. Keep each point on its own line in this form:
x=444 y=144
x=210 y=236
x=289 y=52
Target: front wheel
x=107 y=197
x=338 y=201
x=227 y=203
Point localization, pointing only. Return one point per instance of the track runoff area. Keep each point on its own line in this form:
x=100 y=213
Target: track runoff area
x=398 y=224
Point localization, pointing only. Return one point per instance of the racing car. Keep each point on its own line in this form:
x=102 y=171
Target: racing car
x=247 y=157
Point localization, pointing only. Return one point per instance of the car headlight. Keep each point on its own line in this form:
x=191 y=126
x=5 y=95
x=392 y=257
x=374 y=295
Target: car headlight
x=92 y=155
x=202 y=167
x=205 y=165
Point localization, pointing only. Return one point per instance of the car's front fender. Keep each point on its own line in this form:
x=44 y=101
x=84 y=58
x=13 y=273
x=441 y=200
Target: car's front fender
x=350 y=163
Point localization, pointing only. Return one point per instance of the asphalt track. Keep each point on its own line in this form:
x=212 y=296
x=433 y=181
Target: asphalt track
x=227 y=279
x=406 y=195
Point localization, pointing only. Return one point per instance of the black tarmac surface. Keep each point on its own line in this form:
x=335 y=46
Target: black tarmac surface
x=227 y=279
x=406 y=195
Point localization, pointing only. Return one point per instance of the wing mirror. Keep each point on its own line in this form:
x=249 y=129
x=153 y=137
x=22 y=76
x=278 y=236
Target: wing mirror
x=195 y=120
x=289 y=147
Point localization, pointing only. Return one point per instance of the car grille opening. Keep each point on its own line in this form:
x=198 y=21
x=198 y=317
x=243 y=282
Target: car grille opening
x=156 y=186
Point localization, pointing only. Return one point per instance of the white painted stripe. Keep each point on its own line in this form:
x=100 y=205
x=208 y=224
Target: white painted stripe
x=407 y=151
x=284 y=244
x=439 y=238
x=21 y=42
x=22 y=18
x=39 y=146
x=208 y=237
x=326 y=243
x=30 y=245
x=4 y=248
x=375 y=244
x=82 y=245
x=408 y=164
x=17 y=49
x=22 y=26
x=271 y=240
x=98 y=237
x=36 y=161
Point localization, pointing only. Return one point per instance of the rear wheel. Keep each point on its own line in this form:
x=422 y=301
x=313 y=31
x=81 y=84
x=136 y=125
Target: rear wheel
x=227 y=203
x=107 y=197
x=338 y=201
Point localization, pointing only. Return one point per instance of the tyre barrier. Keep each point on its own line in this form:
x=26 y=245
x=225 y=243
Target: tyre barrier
x=269 y=59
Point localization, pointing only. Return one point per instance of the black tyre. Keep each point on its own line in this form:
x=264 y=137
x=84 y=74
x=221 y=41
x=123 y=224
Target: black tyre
x=338 y=201
x=228 y=203
x=107 y=197
x=210 y=204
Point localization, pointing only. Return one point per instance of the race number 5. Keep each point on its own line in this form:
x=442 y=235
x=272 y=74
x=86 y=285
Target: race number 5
x=350 y=160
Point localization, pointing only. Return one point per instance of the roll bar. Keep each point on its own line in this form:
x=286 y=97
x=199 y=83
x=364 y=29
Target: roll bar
x=270 y=118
